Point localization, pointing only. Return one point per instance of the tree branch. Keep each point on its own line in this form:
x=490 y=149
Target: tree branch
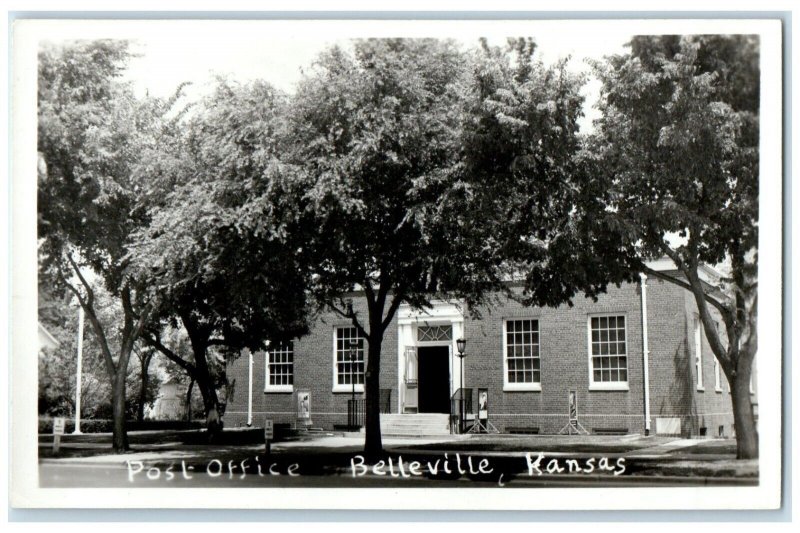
x=130 y=331
x=725 y=356
x=397 y=299
x=672 y=279
x=351 y=316
x=155 y=342
x=89 y=291
x=88 y=308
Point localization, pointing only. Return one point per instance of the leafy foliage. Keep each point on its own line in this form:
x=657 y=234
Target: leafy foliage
x=372 y=141
x=229 y=271
x=58 y=366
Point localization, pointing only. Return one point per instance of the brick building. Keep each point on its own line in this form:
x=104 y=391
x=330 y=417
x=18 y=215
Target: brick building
x=524 y=360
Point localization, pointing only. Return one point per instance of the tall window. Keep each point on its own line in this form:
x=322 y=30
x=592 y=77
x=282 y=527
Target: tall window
x=522 y=365
x=349 y=358
x=717 y=377
x=609 y=351
x=280 y=367
x=698 y=352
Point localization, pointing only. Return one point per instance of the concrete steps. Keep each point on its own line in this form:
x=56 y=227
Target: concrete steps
x=415 y=425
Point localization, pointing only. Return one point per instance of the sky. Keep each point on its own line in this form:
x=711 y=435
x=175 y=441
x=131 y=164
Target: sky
x=243 y=52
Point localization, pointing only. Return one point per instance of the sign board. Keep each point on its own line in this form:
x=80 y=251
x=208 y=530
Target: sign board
x=573 y=406
x=269 y=430
x=58 y=426
x=483 y=404
x=303 y=405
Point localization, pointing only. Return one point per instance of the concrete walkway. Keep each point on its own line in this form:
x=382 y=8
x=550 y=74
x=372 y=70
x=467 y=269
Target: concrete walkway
x=664 y=448
x=511 y=446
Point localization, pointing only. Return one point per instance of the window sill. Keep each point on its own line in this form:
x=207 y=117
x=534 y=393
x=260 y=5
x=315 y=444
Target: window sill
x=608 y=387
x=341 y=389
x=522 y=387
x=278 y=389
x=701 y=389
x=718 y=390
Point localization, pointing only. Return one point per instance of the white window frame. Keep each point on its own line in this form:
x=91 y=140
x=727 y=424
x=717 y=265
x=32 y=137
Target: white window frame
x=348 y=387
x=523 y=387
x=717 y=376
x=606 y=385
x=698 y=353
x=276 y=388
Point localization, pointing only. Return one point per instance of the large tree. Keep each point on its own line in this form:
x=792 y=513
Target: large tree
x=676 y=156
x=91 y=131
x=231 y=279
x=371 y=160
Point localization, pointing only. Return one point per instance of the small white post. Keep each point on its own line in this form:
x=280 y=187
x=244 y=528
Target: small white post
x=249 y=388
x=645 y=356
x=79 y=384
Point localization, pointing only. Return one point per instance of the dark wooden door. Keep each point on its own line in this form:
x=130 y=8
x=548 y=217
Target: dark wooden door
x=434 y=379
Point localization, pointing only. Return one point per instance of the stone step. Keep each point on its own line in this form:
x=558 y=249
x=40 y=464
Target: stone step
x=418 y=424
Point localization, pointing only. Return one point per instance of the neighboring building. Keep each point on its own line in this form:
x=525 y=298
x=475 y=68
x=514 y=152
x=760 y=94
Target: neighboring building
x=527 y=360
x=171 y=401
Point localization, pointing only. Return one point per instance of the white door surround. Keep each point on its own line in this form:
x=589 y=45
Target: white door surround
x=408 y=320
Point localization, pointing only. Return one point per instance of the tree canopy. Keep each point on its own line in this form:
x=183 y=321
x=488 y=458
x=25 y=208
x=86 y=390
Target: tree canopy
x=532 y=199
x=231 y=279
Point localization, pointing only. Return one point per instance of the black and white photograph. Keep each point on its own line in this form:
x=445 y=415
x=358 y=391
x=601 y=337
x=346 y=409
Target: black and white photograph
x=491 y=257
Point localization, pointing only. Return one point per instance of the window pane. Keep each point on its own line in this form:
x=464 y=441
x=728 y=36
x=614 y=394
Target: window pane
x=608 y=348
x=349 y=356
x=280 y=366
x=522 y=351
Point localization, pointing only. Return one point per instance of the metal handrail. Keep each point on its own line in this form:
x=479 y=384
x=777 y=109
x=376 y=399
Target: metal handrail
x=460 y=406
x=355 y=412
x=357 y=408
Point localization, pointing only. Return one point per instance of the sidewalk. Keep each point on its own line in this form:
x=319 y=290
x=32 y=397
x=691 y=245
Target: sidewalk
x=632 y=446
x=333 y=458
x=665 y=448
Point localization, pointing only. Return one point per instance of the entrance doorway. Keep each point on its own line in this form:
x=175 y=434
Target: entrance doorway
x=434 y=379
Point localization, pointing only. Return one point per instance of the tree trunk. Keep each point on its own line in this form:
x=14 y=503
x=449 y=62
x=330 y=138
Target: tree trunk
x=373 y=443
x=120 y=435
x=210 y=401
x=199 y=340
x=189 y=399
x=744 y=421
x=143 y=388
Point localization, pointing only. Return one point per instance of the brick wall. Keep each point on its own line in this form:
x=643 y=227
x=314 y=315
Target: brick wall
x=564 y=360
x=674 y=389
x=313 y=371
